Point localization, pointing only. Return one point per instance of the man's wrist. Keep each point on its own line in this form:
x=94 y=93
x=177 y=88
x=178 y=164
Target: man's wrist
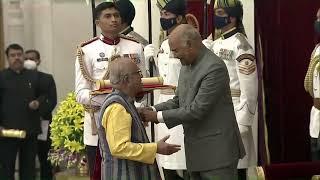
x=160 y=117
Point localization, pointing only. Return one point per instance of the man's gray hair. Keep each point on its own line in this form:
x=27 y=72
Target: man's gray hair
x=116 y=71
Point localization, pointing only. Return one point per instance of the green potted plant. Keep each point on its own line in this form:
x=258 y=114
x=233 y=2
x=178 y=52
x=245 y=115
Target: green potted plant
x=67 y=135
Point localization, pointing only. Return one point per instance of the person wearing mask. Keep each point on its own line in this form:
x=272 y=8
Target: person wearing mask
x=234 y=49
x=312 y=86
x=32 y=62
x=127 y=13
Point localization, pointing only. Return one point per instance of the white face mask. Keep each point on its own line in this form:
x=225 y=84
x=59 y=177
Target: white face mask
x=29 y=64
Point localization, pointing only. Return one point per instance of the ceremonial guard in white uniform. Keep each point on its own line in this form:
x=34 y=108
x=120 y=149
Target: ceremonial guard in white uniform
x=127 y=13
x=91 y=64
x=172 y=14
x=312 y=86
x=234 y=49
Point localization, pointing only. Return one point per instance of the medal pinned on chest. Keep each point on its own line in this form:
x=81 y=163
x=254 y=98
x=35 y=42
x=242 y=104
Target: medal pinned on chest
x=102 y=57
x=226 y=54
x=135 y=58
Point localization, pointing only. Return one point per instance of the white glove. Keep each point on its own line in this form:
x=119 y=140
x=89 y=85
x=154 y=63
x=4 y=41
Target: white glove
x=149 y=51
x=208 y=43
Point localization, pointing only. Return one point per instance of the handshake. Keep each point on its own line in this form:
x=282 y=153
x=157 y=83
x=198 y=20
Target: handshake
x=148 y=115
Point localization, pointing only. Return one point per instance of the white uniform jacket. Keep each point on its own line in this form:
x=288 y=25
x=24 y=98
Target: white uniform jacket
x=314 y=126
x=234 y=49
x=92 y=64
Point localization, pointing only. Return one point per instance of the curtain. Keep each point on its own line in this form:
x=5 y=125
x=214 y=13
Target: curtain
x=2 y=54
x=196 y=7
x=287 y=40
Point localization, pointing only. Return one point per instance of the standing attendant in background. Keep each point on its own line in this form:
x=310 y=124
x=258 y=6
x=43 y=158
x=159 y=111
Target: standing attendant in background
x=91 y=64
x=21 y=97
x=32 y=62
x=234 y=49
x=127 y=13
x=312 y=86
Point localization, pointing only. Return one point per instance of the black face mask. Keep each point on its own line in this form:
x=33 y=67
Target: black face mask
x=317 y=26
x=166 y=24
x=220 y=22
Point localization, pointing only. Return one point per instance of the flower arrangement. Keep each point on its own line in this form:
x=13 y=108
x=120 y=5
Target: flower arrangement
x=67 y=134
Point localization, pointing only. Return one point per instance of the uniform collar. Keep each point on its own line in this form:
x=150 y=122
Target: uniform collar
x=229 y=33
x=109 y=41
x=126 y=30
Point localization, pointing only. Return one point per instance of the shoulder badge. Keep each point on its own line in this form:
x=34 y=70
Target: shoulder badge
x=247 y=64
x=89 y=41
x=130 y=38
x=243 y=42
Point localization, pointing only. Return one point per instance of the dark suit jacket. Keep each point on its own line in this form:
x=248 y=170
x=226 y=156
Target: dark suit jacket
x=49 y=87
x=17 y=90
x=203 y=105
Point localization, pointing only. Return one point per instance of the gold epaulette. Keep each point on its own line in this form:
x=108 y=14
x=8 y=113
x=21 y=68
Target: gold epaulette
x=308 y=80
x=130 y=38
x=89 y=41
x=83 y=68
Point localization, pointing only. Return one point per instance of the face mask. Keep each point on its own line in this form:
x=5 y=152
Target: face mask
x=317 y=26
x=220 y=22
x=166 y=24
x=29 y=64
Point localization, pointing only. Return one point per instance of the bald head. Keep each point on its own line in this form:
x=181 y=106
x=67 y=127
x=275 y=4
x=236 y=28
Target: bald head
x=185 y=33
x=185 y=42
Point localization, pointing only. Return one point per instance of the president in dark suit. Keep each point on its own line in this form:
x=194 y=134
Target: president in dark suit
x=203 y=105
x=32 y=61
